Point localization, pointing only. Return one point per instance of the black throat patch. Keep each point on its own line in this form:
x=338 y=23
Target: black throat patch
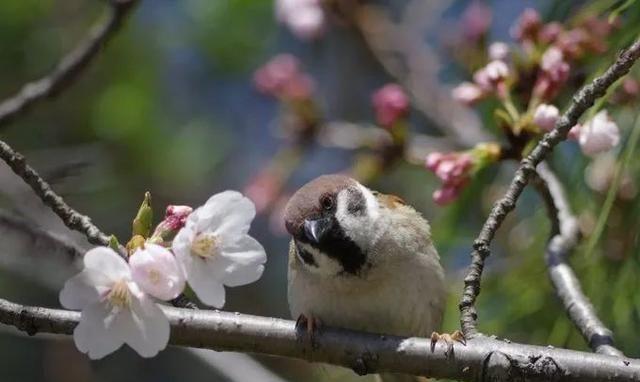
x=338 y=246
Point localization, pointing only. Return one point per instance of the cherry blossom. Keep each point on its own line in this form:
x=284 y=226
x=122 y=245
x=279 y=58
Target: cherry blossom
x=546 y=116
x=214 y=248
x=599 y=134
x=115 y=310
x=156 y=271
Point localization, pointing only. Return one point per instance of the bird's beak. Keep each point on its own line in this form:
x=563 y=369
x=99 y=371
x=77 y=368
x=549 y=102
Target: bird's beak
x=315 y=229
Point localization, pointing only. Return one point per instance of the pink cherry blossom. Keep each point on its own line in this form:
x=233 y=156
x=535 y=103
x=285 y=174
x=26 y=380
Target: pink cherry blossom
x=546 y=116
x=391 y=104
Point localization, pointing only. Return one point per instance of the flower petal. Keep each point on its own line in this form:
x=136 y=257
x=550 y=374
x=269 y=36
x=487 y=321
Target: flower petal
x=92 y=335
x=228 y=214
x=144 y=327
x=246 y=250
x=108 y=262
x=157 y=272
x=201 y=275
x=83 y=289
x=241 y=263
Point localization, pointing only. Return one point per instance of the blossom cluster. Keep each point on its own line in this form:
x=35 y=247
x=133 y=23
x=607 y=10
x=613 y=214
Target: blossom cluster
x=455 y=169
x=527 y=78
x=119 y=298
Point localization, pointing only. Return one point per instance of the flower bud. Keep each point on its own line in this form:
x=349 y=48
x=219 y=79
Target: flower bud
x=546 y=116
x=599 y=134
x=467 y=93
x=391 y=104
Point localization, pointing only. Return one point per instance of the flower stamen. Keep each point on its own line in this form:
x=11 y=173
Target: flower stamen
x=119 y=295
x=205 y=245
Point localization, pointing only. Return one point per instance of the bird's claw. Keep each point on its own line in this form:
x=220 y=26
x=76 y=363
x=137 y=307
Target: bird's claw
x=311 y=325
x=448 y=339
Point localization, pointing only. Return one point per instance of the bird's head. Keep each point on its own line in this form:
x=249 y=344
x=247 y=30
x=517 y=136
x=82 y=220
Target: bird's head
x=334 y=221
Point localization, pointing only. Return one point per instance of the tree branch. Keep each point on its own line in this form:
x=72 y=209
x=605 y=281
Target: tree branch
x=581 y=102
x=565 y=234
x=70 y=217
x=483 y=358
x=39 y=237
x=69 y=67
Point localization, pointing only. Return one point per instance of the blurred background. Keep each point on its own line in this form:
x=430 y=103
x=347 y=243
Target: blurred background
x=181 y=103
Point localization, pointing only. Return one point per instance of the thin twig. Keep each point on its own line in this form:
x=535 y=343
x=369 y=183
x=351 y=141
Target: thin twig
x=581 y=102
x=70 y=217
x=482 y=358
x=37 y=235
x=70 y=66
x=564 y=236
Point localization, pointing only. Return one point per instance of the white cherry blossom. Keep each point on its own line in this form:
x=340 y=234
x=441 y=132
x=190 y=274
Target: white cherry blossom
x=215 y=250
x=599 y=134
x=115 y=310
x=546 y=116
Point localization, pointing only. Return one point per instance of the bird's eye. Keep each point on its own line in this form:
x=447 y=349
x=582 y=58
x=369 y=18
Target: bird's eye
x=326 y=202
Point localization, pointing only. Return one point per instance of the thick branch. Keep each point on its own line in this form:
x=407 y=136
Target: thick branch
x=564 y=236
x=69 y=66
x=581 y=102
x=482 y=358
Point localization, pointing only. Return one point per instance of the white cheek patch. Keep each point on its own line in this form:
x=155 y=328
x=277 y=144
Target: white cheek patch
x=324 y=265
x=363 y=227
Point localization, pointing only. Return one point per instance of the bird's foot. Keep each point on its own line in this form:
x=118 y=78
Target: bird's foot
x=310 y=325
x=448 y=339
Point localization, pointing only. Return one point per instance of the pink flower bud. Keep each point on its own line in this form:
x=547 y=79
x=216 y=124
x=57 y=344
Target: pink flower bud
x=391 y=104
x=554 y=73
x=467 y=93
x=476 y=20
x=174 y=219
x=599 y=134
x=446 y=194
x=498 y=51
x=546 y=116
x=453 y=169
x=574 y=132
x=275 y=74
x=527 y=26
x=550 y=32
x=433 y=160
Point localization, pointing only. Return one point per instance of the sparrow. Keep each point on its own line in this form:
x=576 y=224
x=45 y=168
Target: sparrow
x=362 y=260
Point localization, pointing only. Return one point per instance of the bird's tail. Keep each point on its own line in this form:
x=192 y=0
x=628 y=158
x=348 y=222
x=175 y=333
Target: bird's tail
x=400 y=378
